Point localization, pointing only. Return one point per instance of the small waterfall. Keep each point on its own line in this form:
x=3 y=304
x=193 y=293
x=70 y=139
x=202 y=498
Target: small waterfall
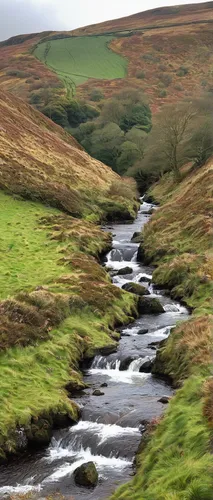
x=103 y=363
x=136 y=364
x=134 y=258
x=115 y=255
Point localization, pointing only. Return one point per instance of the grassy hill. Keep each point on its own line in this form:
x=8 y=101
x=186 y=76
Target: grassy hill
x=165 y=52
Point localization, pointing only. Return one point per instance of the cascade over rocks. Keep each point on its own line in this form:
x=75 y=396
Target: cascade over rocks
x=149 y=305
x=135 y=288
x=86 y=475
x=147 y=366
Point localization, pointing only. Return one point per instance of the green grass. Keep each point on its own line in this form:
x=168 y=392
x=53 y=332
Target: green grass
x=176 y=463
x=32 y=379
x=44 y=332
x=27 y=257
x=76 y=60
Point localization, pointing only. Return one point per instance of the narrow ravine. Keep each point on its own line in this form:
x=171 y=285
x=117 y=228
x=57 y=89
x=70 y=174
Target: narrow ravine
x=111 y=426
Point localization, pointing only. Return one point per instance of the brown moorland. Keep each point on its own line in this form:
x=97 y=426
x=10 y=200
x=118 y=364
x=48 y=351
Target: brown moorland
x=169 y=51
x=40 y=161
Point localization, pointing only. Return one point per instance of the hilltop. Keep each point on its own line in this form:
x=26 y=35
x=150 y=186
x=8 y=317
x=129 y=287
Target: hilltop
x=165 y=52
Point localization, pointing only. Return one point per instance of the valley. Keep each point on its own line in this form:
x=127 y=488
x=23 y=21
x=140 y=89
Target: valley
x=106 y=269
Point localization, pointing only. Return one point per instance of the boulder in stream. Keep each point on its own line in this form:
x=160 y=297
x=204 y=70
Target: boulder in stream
x=86 y=475
x=146 y=367
x=97 y=392
x=135 y=288
x=164 y=400
x=125 y=270
x=142 y=331
x=149 y=305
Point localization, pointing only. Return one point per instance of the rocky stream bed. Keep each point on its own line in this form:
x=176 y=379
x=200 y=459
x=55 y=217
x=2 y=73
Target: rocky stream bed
x=123 y=395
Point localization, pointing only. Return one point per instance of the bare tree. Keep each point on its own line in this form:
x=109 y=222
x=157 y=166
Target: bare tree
x=172 y=132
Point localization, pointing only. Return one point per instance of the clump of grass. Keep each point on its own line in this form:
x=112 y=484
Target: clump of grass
x=188 y=347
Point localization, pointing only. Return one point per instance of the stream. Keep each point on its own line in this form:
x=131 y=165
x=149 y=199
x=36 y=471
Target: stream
x=112 y=424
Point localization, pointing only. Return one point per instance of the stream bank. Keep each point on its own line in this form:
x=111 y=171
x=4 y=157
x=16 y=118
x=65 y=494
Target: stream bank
x=111 y=425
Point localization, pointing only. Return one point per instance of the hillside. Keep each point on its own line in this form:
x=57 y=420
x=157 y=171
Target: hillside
x=175 y=459
x=57 y=303
x=165 y=52
x=40 y=161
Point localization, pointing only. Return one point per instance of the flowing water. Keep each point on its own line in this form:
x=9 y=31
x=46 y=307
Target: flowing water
x=111 y=426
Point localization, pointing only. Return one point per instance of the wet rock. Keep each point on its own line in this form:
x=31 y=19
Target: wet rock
x=142 y=331
x=148 y=198
x=39 y=433
x=97 y=392
x=164 y=400
x=141 y=253
x=125 y=270
x=147 y=366
x=145 y=279
x=149 y=305
x=86 y=475
x=104 y=384
x=126 y=362
x=136 y=238
x=108 y=349
x=135 y=288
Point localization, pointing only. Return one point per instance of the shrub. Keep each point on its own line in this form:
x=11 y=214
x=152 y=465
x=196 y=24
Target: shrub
x=17 y=73
x=178 y=87
x=162 y=93
x=151 y=58
x=141 y=75
x=183 y=71
x=96 y=95
x=165 y=78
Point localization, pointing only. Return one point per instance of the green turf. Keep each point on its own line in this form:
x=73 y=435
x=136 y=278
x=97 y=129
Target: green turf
x=78 y=59
x=28 y=257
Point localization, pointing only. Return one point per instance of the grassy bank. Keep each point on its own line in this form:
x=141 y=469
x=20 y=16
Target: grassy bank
x=57 y=306
x=174 y=461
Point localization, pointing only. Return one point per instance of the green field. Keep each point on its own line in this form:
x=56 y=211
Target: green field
x=78 y=59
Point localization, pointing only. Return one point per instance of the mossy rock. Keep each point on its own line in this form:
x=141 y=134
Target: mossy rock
x=86 y=475
x=149 y=305
x=125 y=270
x=136 y=289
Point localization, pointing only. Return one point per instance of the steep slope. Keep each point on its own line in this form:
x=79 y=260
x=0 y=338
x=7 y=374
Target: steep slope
x=168 y=52
x=57 y=304
x=175 y=459
x=39 y=160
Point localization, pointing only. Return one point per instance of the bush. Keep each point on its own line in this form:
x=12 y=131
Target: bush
x=141 y=75
x=162 y=93
x=183 y=71
x=17 y=73
x=96 y=95
x=151 y=58
x=178 y=87
x=165 y=78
